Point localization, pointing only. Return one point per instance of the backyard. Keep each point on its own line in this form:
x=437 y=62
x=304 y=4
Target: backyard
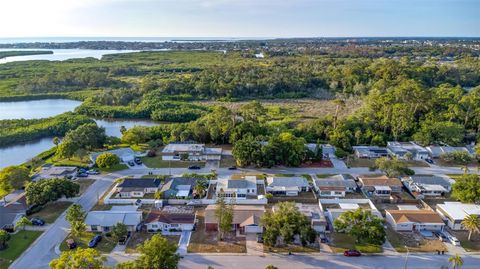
x=204 y=242
x=17 y=244
x=51 y=211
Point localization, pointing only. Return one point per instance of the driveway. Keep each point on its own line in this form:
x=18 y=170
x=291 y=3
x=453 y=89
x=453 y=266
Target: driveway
x=183 y=242
x=253 y=248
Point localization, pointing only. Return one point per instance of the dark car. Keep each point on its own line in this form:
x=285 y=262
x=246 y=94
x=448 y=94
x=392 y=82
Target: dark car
x=82 y=170
x=37 y=221
x=71 y=244
x=131 y=163
x=93 y=172
x=93 y=243
x=122 y=240
x=194 y=167
x=259 y=238
x=138 y=161
x=352 y=253
x=81 y=174
x=232 y=168
x=430 y=161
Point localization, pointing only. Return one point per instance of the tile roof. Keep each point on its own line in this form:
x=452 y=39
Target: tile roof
x=417 y=216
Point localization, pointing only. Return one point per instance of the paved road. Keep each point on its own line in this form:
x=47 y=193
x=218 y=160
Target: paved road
x=42 y=251
x=322 y=261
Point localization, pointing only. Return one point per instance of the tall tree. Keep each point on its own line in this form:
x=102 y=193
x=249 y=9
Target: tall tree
x=224 y=215
x=456 y=261
x=75 y=213
x=467 y=188
x=472 y=224
x=79 y=259
x=361 y=224
x=14 y=177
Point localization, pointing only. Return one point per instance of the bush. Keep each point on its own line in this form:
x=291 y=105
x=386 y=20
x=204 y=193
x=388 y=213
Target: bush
x=368 y=248
x=340 y=153
x=107 y=160
x=151 y=153
x=459 y=157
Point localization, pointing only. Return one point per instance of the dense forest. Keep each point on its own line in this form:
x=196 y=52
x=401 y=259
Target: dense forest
x=424 y=90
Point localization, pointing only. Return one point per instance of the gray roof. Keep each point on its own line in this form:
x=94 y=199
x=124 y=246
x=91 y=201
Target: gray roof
x=139 y=183
x=171 y=186
x=431 y=180
x=329 y=182
x=10 y=212
x=237 y=184
x=110 y=218
x=287 y=182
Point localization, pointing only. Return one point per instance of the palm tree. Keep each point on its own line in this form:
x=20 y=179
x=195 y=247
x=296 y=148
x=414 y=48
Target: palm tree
x=472 y=224
x=456 y=261
x=199 y=189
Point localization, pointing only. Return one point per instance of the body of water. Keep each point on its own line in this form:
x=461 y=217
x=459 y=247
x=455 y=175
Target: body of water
x=60 y=54
x=19 y=153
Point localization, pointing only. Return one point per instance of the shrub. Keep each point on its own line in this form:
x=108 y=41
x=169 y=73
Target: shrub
x=107 y=160
x=340 y=153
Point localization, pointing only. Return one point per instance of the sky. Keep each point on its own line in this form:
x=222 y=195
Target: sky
x=239 y=18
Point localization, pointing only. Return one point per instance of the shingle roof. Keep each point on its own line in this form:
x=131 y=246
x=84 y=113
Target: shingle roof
x=110 y=218
x=184 y=215
x=287 y=182
x=139 y=183
x=417 y=216
x=380 y=181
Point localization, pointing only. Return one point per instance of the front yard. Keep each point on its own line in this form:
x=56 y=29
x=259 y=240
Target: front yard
x=227 y=161
x=17 y=244
x=471 y=246
x=414 y=242
x=204 y=242
x=339 y=242
x=139 y=237
x=362 y=162
x=157 y=162
x=51 y=211
x=84 y=184
x=118 y=167
x=105 y=246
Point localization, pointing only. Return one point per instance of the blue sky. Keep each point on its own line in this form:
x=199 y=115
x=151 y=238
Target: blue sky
x=239 y=18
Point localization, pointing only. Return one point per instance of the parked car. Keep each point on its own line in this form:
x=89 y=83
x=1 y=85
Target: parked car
x=138 y=161
x=259 y=238
x=323 y=238
x=37 y=221
x=440 y=236
x=194 y=167
x=95 y=240
x=82 y=170
x=352 y=253
x=71 y=243
x=430 y=161
x=93 y=172
x=452 y=239
x=232 y=168
x=122 y=240
x=81 y=174
x=131 y=163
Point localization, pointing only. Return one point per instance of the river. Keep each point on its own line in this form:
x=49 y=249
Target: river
x=19 y=153
x=60 y=54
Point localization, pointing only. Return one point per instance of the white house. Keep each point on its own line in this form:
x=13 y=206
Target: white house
x=401 y=149
x=437 y=151
x=192 y=152
x=333 y=208
x=414 y=220
x=369 y=152
x=289 y=186
x=422 y=186
x=327 y=149
x=137 y=187
x=455 y=212
x=334 y=186
x=171 y=219
x=242 y=187
x=103 y=221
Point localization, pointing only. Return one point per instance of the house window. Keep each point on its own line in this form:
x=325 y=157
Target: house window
x=94 y=228
x=173 y=225
x=154 y=226
x=338 y=193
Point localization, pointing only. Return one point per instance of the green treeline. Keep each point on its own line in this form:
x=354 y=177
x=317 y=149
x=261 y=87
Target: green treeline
x=16 y=131
x=4 y=54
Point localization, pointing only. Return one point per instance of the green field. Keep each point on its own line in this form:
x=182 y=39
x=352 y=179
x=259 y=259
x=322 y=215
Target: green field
x=17 y=244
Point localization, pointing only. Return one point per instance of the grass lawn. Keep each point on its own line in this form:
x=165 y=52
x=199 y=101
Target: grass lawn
x=227 y=161
x=157 y=162
x=473 y=245
x=84 y=184
x=324 y=175
x=360 y=162
x=105 y=246
x=51 y=211
x=74 y=161
x=17 y=244
x=292 y=248
x=341 y=242
x=204 y=242
x=139 y=237
x=118 y=167
x=399 y=241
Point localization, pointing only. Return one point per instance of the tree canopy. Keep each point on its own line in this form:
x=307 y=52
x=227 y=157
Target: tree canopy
x=362 y=225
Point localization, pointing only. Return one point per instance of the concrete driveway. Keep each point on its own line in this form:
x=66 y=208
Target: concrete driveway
x=183 y=242
x=253 y=247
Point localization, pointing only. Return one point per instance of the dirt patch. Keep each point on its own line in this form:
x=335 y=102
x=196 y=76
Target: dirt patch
x=414 y=242
x=322 y=163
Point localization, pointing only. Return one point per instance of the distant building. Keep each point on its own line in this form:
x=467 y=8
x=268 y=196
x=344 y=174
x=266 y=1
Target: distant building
x=171 y=219
x=380 y=186
x=240 y=187
x=51 y=171
x=137 y=187
x=328 y=150
x=369 y=152
x=192 y=152
x=289 y=186
x=437 y=151
x=401 y=149
x=422 y=186
x=455 y=212
x=246 y=218
x=178 y=187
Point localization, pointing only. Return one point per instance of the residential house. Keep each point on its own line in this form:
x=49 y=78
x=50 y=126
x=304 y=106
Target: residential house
x=171 y=219
x=369 y=152
x=124 y=154
x=328 y=150
x=335 y=186
x=333 y=208
x=380 y=186
x=137 y=187
x=289 y=186
x=51 y=171
x=246 y=218
x=455 y=212
x=191 y=152
x=240 y=187
x=11 y=212
x=421 y=186
x=411 y=220
x=179 y=188
x=401 y=149
x=315 y=215
x=103 y=221
x=437 y=151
